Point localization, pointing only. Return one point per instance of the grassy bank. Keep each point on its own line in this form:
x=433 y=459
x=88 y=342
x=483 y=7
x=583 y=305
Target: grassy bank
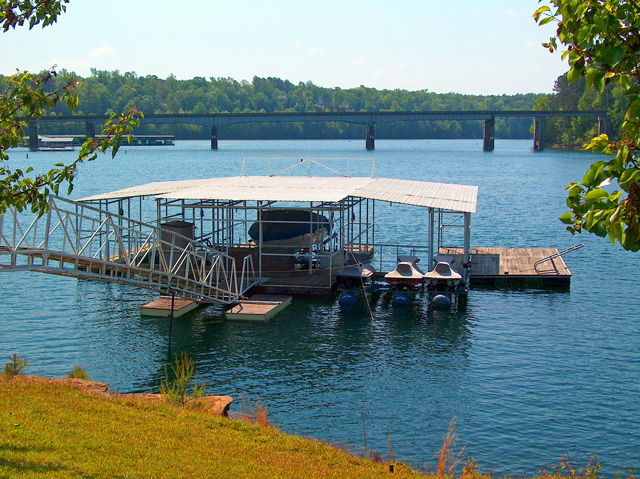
x=53 y=430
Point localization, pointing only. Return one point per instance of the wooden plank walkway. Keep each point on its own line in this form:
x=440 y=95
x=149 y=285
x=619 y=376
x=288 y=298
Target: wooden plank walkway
x=501 y=265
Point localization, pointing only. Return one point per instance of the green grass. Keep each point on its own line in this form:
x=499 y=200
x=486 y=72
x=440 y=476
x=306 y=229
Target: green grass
x=52 y=430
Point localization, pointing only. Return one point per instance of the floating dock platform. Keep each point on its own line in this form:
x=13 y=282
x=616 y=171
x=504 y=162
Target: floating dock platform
x=507 y=266
x=161 y=307
x=259 y=307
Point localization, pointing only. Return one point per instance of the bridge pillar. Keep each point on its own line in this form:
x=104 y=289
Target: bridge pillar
x=33 y=135
x=90 y=130
x=214 y=137
x=602 y=125
x=370 y=139
x=538 y=134
x=488 y=142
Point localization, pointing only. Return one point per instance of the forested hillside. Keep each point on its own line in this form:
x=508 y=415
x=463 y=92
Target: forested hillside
x=110 y=91
x=105 y=91
x=575 y=132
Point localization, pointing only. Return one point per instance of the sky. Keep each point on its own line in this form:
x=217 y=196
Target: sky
x=481 y=47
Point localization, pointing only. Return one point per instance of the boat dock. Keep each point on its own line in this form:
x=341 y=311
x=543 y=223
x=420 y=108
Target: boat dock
x=290 y=232
x=504 y=266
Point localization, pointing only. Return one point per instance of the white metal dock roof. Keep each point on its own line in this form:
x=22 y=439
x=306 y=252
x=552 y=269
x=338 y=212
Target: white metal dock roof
x=444 y=196
x=149 y=189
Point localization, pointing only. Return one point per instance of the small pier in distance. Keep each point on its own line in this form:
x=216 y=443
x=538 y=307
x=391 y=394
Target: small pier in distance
x=500 y=266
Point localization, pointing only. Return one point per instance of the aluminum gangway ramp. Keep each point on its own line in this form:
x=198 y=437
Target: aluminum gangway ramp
x=78 y=240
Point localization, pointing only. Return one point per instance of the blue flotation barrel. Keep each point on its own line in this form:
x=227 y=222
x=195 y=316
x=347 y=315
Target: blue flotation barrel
x=441 y=301
x=401 y=299
x=347 y=299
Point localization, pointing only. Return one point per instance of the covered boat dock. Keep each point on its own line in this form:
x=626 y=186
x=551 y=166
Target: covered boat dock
x=235 y=214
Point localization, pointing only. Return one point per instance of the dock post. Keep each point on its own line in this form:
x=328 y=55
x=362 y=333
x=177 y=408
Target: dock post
x=370 y=140
x=90 y=130
x=214 y=137
x=173 y=303
x=33 y=135
x=602 y=125
x=466 y=262
x=488 y=142
x=538 y=134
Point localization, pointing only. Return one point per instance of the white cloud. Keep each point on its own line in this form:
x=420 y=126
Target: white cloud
x=400 y=66
x=318 y=51
x=360 y=62
x=102 y=51
x=511 y=13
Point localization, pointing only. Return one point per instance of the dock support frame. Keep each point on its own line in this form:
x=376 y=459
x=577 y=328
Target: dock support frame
x=467 y=249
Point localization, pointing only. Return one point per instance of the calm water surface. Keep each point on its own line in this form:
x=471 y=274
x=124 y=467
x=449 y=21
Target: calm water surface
x=528 y=375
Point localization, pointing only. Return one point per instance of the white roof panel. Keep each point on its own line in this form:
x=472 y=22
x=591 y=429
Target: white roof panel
x=149 y=189
x=273 y=188
x=422 y=193
x=461 y=198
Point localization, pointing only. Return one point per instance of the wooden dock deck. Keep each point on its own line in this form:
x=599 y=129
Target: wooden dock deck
x=258 y=307
x=161 y=307
x=503 y=266
x=301 y=284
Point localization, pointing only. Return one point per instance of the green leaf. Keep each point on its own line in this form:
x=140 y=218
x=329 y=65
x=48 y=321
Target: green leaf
x=595 y=195
x=598 y=81
x=573 y=74
x=567 y=218
x=628 y=176
x=538 y=13
x=592 y=173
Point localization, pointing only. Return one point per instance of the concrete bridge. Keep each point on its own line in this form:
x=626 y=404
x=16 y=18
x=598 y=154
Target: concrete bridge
x=367 y=119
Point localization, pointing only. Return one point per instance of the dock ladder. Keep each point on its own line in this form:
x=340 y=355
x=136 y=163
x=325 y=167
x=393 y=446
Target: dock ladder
x=555 y=255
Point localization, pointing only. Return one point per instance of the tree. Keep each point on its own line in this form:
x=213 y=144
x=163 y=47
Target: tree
x=25 y=97
x=602 y=41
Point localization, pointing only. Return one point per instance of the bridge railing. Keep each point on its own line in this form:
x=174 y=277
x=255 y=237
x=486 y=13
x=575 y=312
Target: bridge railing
x=76 y=239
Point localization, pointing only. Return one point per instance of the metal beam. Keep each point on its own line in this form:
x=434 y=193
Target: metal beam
x=364 y=118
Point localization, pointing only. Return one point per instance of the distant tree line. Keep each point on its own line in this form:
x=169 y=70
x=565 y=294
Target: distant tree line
x=566 y=132
x=107 y=92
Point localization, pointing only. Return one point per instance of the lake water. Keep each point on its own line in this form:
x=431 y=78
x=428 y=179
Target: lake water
x=528 y=375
